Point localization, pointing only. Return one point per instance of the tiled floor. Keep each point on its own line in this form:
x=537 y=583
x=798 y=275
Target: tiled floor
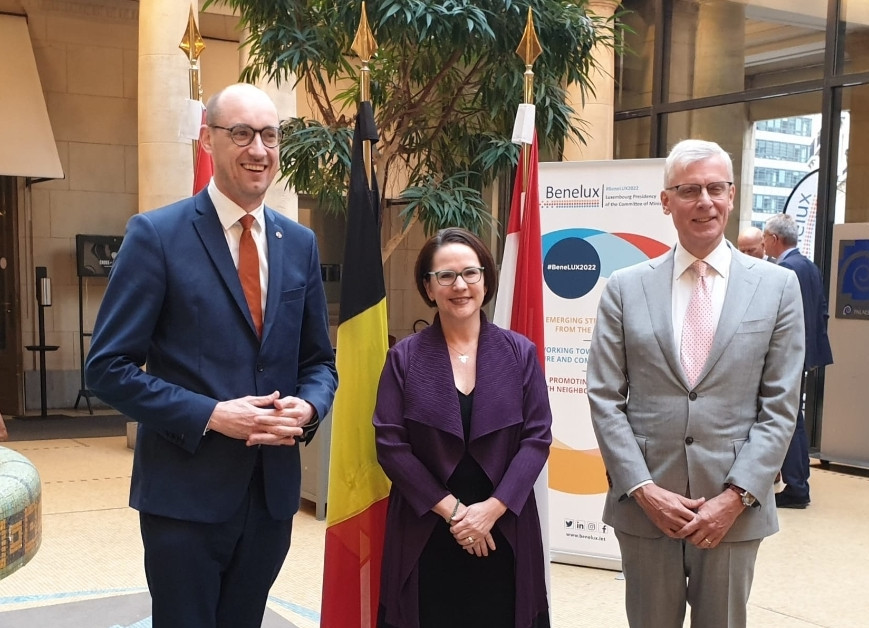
x=815 y=572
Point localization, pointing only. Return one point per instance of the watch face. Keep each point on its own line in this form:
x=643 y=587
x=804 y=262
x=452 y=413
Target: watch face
x=748 y=499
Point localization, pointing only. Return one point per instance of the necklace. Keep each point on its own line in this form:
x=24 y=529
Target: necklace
x=463 y=357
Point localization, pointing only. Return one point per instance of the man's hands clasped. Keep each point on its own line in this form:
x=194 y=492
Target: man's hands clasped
x=262 y=420
x=701 y=522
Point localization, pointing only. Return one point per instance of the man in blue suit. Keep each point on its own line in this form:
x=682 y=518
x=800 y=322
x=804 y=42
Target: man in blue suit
x=780 y=239
x=232 y=384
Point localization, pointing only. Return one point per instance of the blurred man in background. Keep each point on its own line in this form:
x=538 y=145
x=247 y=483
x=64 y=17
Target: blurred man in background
x=780 y=239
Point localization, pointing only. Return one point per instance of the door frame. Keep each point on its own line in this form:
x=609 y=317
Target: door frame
x=11 y=352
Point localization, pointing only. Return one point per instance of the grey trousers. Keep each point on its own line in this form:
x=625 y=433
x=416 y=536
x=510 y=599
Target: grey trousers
x=663 y=574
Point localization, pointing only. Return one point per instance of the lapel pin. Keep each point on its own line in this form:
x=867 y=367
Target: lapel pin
x=279 y=235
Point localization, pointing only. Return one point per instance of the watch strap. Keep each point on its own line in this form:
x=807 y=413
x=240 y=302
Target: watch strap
x=748 y=500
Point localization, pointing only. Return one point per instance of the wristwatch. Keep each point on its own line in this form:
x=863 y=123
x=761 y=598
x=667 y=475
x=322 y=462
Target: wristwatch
x=748 y=500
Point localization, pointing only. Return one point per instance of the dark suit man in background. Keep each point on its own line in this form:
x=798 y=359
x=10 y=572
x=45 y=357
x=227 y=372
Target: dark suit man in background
x=691 y=444
x=780 y=238
x=240 y=368
x=750 y=242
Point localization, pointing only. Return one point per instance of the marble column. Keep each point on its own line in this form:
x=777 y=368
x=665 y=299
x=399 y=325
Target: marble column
x=719 y=68
x=598 y=112
x=856 y=102
x=165 y=159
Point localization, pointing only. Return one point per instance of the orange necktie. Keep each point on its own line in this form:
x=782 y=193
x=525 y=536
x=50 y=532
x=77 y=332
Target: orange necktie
x=248 y=272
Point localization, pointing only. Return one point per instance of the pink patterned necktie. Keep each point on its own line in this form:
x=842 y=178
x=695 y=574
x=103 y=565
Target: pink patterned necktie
x=698 y=330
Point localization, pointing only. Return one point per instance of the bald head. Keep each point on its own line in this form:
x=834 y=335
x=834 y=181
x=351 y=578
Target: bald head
x=245 y=160
x=239 y=92
x=750 y=242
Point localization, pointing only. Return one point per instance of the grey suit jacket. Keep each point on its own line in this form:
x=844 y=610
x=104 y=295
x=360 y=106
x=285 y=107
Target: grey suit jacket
x=733 y=427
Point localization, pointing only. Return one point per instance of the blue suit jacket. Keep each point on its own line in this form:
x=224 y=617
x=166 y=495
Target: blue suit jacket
x=818 y=352
x=174 y=302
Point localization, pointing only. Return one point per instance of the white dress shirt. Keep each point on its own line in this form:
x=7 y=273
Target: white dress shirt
x=683 y=283
x=229 y=214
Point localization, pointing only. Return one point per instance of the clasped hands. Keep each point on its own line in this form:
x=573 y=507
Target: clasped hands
x=262 y=420
x=471 y=526
x=701 y=522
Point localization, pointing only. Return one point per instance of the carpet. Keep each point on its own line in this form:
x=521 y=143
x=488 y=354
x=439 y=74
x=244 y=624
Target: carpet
x=119 y=611
x=63 y=426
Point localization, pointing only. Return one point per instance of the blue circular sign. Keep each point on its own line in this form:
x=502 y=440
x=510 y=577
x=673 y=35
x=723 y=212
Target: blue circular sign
x=571 y=268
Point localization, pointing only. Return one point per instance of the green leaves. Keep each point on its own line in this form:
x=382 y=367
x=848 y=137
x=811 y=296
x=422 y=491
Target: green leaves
x=317 y=161
x=445 y=85
x=443 y=202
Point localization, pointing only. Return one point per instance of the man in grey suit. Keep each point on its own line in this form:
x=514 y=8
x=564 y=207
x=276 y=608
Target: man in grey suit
x=691 y=451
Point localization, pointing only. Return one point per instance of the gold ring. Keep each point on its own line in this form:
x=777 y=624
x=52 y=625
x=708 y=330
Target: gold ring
x=470 y=539
x=707 y=541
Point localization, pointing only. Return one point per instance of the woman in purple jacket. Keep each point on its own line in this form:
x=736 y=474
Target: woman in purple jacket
x=462 y=428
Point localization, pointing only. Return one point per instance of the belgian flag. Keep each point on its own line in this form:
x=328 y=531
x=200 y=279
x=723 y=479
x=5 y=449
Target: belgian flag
x=358 y=488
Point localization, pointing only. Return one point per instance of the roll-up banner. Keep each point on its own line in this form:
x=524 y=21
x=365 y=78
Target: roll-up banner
x=802 y=204
x=596 y=217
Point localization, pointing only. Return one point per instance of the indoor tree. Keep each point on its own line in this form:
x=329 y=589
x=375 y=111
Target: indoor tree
x=445 y=85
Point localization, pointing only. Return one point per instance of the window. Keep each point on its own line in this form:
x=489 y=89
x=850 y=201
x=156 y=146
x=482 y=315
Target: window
x=789 y=126
x=777 y=178
x=767 y=204
x=728 y=46
x=782 y=151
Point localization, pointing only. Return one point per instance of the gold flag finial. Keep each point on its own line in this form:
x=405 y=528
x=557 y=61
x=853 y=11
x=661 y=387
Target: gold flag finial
x=529 y=48
x=192 y=43
x=364 y=44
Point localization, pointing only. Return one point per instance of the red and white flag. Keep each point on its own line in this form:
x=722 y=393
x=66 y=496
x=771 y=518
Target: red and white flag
x=203 y=167
x=519 y=304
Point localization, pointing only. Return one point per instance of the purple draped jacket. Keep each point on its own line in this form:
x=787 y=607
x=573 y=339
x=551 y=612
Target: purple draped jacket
x=420 y=441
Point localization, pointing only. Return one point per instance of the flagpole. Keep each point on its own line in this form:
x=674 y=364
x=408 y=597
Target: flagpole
x=526 y=294
x=358 y=487
x=192 y=44
x=529 y=49
x=364 y=45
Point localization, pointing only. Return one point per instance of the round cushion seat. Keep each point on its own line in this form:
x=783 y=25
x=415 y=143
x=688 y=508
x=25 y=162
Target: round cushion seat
x=20 y=511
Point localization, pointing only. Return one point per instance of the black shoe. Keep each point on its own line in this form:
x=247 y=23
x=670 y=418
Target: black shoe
x=783 y=500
